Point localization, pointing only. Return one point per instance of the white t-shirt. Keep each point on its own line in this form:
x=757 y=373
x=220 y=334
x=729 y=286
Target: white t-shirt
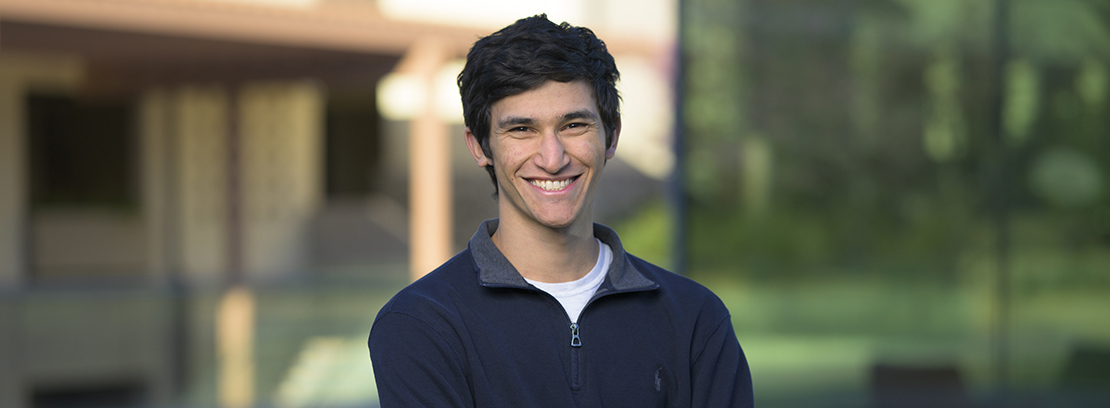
x=575 y=294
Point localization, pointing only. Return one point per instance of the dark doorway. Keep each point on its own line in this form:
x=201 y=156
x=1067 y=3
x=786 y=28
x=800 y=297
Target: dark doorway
x=353 y=145
x=81 y=152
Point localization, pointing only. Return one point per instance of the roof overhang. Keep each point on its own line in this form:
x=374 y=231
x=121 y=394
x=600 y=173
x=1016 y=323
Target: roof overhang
x=127 y=45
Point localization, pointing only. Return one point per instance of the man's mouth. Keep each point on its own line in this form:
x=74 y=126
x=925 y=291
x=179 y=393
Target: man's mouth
x=552 y=185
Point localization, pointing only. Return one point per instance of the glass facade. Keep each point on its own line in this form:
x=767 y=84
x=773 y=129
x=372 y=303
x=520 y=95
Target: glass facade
x=904 y=199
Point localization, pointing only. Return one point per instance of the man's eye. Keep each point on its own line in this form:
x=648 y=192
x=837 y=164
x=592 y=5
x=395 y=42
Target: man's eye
x=519 y=129
x=576 y=127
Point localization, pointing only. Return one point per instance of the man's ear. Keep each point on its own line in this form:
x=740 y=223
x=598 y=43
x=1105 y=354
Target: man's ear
x=611 y=150
x=476 y=149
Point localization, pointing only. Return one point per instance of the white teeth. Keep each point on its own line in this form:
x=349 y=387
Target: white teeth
x=551 y=185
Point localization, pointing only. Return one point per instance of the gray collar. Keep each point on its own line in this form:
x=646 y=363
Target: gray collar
x=494 y=270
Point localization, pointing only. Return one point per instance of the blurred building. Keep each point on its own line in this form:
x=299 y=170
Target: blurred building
x=153 y=152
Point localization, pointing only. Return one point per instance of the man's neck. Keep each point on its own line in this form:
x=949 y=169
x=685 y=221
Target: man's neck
x=545 y=254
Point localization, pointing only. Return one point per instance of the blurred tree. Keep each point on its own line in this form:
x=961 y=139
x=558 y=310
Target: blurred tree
x=855 y=135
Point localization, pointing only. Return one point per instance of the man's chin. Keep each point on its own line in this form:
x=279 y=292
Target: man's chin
x=558 y=223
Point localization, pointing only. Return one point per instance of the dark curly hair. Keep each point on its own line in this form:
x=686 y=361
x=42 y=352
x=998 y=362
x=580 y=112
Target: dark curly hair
x=523 y=56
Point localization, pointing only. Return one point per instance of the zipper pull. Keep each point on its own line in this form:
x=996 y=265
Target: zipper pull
x=575 y=341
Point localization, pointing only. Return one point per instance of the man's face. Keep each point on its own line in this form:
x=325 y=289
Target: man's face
x=548 y=147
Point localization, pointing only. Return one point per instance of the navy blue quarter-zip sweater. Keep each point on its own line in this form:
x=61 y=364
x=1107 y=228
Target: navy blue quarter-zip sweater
x=474 y=333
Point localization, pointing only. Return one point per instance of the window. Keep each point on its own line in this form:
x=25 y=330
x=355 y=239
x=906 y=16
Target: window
x=81 y=152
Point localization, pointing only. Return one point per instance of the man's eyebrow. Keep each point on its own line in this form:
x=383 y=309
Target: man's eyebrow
x=580 y=114
x=514 y=121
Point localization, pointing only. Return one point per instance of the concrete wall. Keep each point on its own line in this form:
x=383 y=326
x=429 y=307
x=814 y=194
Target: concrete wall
x=90 y=335
x=200 y=131
x=19 y=73
x=282 y=184
x=13 y=184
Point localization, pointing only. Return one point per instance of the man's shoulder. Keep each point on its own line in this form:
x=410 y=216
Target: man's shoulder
x=667 y=279
x=681 y=289
x=434 y=289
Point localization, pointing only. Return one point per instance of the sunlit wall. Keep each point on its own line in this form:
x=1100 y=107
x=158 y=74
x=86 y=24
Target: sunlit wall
x=205 y=202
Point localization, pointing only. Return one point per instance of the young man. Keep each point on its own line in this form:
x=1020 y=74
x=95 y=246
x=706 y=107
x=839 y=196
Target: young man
x=544 y=308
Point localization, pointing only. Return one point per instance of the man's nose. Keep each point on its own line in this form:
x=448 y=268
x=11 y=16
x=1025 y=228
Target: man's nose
x=552 y=156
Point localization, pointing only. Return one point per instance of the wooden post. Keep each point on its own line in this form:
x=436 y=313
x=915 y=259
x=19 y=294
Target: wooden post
x=430 y=195
x=235 y=348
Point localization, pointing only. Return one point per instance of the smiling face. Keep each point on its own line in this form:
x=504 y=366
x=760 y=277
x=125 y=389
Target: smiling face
x=548 y=148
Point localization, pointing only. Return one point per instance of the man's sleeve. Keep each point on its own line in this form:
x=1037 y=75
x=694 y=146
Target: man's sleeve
x=719 y=375
x=415 y=365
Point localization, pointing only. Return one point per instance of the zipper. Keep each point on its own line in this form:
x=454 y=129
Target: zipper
x=575 y=341
x=575 y=358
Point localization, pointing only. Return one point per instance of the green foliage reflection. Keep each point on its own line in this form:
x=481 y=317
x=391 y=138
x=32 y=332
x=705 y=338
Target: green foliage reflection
x=848 y=175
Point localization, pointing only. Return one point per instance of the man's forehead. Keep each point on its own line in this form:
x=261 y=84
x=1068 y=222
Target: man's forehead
x=561 y=100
